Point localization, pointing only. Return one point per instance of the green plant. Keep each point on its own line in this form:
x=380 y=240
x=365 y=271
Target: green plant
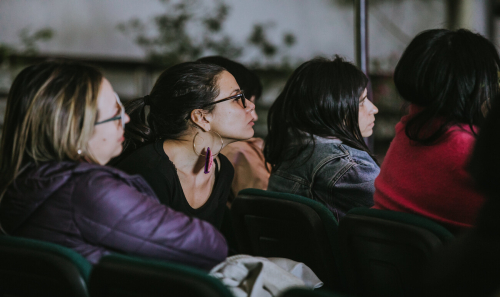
x=190 y=29
x=29 y=43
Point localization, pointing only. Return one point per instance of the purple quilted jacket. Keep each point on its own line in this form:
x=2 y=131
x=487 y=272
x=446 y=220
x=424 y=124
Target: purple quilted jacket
x=96 y=210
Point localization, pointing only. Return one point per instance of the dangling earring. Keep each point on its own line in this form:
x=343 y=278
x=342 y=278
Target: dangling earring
x=209 y=157
x=209 y=161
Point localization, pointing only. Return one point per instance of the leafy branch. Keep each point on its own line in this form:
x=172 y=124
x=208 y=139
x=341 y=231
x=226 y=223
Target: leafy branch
x=29 y=43
x=187 y=30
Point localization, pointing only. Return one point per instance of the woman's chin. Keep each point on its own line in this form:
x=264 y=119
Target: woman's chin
x=367 y=134
x=117 y=152
x=250 y=134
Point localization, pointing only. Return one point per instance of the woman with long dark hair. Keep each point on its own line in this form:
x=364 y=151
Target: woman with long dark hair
x=63 y=123
x=177 y=132
x=448 y=77
x=315 y=142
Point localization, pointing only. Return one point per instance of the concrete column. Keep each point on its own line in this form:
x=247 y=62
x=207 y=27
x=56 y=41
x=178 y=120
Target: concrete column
x=475 y=15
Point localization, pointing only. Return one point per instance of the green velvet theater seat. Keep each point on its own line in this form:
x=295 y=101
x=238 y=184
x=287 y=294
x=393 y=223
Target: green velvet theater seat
x=36 y=268
x=125 y=276
x=271 y=224
x=384 y=252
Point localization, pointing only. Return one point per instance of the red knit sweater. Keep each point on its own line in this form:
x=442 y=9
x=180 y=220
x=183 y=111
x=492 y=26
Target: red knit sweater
x=431 y=181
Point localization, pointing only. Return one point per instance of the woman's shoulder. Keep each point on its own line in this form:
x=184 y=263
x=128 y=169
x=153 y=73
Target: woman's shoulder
x=353 y=161
x=457 y=144
x=360 y=156
x=72 y=170
x=147 y=160
x=98 y=180
x=83 y=179
x=148 y=150
x=325 y=147
x=353 y=167
x=226 y=167
x=339 y=152
x=315 y=156
x=89 y=170
x=463 y=133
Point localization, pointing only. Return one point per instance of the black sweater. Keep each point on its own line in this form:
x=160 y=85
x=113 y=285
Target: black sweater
x=153 y=164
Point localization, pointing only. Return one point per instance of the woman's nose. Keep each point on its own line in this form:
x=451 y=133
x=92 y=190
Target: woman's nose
x=254 y=114
x=373 y=109
x=127 y=118
x=250 y=105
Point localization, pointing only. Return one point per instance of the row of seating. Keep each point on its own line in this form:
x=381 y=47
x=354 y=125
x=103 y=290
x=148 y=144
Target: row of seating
x=35 y=268
x=370 y=253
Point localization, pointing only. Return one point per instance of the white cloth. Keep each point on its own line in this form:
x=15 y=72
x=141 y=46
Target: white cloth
x=248 y=276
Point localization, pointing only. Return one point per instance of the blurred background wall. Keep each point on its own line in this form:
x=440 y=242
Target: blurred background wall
x=133 y=41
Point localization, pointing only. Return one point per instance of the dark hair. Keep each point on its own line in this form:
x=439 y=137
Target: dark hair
x=179 y=90
x=469 y=266
x=485 y=161
x=320 y=98
x=450 y=74
x=246 y=79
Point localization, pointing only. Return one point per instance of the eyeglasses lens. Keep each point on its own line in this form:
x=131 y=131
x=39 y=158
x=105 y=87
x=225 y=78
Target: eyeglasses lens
x=122 y=111
x=243 y=100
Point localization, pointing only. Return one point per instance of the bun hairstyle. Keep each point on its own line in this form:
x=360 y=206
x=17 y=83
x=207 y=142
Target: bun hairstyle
x=177 y=92
x=450 y=75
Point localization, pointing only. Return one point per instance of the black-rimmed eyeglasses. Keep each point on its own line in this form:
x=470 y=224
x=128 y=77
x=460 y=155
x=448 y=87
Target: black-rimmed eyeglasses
x=120 y=117
x=239 y=96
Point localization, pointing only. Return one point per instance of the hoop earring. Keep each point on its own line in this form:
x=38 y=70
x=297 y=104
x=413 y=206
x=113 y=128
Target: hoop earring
x=209 y=157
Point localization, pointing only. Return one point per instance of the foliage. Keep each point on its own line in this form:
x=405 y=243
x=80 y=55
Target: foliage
x=30 y=39
x=190 y=29
x=29 y=43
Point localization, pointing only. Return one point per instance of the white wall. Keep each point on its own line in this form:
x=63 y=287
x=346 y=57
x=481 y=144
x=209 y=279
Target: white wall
x=322 y=27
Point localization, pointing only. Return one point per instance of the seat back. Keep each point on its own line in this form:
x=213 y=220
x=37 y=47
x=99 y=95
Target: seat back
x=35 y=268
x=227 y=230
x=125 y=276
x=271 y=224
x=384 y=252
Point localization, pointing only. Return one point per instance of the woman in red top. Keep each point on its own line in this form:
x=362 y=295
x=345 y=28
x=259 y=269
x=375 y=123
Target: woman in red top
x=448 y=78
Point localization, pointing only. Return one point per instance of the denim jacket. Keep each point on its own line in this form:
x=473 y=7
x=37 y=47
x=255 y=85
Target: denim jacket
x=336 y=175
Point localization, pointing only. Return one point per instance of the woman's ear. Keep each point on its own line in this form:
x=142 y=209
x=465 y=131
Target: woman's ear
x=201 y=119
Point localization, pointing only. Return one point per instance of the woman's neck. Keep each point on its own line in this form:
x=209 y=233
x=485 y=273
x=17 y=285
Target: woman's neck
x=181 y=153
x=196 y=185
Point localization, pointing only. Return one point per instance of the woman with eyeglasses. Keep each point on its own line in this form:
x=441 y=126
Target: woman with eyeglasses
x=176 y=134
x=247 y=157
x=63 y=123
x=315 y=141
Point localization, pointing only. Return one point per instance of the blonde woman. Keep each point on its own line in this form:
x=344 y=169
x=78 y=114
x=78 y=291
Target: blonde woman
x=63 y=123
